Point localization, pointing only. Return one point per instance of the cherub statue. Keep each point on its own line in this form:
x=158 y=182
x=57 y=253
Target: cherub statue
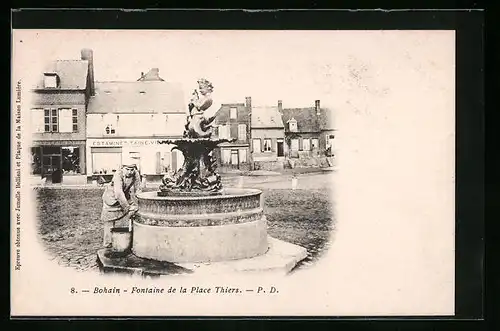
x=203 y=102
x=199 y=126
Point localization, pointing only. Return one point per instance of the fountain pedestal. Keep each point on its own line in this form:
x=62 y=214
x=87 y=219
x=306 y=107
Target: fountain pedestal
x=193 y=224
x=192 y=221
x=210 y=228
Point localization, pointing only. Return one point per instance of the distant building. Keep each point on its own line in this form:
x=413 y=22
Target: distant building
x=58 y=109
x=268 y=138
x=233 y=121
x=328 y=130
x=127 y=119
x=308 y=131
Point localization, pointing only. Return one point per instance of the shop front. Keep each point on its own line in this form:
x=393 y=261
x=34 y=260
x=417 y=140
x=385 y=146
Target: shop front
x=56 y=160
x=152 y=156
x=234 y=157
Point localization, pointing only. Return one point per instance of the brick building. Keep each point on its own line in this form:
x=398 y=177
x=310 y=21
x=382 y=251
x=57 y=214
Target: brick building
x=233 y=121
x=309 y=131
x=58 y=111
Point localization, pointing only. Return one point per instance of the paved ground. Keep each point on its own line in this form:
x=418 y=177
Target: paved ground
x=72 y=233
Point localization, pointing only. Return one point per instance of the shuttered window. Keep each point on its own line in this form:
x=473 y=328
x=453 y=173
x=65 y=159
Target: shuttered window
x=242 y=132
x=65 y=120
x=256 y=145
x=37 y=118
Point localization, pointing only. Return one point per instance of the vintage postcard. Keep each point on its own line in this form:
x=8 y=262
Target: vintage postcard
x=233 y=173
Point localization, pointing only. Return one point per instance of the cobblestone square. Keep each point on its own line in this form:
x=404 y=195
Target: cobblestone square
x=71 y=231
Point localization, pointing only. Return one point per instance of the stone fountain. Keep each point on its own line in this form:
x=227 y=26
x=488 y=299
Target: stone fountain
x=192 y=223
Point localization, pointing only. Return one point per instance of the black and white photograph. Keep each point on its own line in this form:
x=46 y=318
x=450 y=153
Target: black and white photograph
x=235 y=172
x=181 y=178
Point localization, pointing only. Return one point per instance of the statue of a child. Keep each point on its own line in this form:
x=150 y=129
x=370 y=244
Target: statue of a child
x=199 y=126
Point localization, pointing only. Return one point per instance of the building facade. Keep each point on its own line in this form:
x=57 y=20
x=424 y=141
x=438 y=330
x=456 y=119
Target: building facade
x=268 y=138
x=58 y=117
x=232 y=121
x=309 y=131
x=131 y=120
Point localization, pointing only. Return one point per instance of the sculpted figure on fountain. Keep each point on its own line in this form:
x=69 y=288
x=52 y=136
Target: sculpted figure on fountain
x=198 y=125
x=198 y=171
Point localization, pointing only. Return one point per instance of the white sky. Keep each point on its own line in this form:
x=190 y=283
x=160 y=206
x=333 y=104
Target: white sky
x=297 y=67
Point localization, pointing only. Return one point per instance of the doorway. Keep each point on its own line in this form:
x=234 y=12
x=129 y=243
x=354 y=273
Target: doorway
x=234 y=158
x=280 y=151
x=52 y=163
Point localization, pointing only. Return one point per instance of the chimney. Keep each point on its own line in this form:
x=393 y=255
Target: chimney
x=317 y=106
x=152 y=75
x=88 y=55
x=248 y=102
x=280 y=106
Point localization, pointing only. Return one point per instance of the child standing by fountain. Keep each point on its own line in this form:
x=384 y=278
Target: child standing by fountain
x=119 y=198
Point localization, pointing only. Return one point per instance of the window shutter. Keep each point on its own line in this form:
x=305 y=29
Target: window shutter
x=221 y=132
x=37 y=120
x=65 y=120
x=243 y=155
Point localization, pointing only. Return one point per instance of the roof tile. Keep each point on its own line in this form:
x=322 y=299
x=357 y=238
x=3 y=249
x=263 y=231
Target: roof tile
x=137 y=97
x=266 y=117
x=58 y=98
x=72 y=74
x=307 y=120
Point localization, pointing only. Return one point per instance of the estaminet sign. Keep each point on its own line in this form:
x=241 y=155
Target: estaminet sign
x=124 y=142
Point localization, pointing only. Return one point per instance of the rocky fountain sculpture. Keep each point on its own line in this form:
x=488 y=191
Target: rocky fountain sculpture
x=192 y=219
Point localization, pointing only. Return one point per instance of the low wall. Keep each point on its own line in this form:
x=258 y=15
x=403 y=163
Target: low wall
x=222 y=169
x=312 y=162
x=268 y=165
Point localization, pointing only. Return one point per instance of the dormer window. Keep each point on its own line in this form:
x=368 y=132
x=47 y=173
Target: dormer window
x=292 y=125
x=50 y=80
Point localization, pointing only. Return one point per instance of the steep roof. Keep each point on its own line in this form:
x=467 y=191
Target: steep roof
x=307 y=120
x=222 y=115
x=137 y=97
x=266 y=117
x=72 y=74
x=58 y=98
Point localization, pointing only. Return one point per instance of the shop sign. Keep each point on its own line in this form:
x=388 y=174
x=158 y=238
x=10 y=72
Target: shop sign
x=125 y=142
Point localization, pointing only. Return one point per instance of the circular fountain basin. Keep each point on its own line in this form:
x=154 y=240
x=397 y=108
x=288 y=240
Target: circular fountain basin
x=198 y=228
